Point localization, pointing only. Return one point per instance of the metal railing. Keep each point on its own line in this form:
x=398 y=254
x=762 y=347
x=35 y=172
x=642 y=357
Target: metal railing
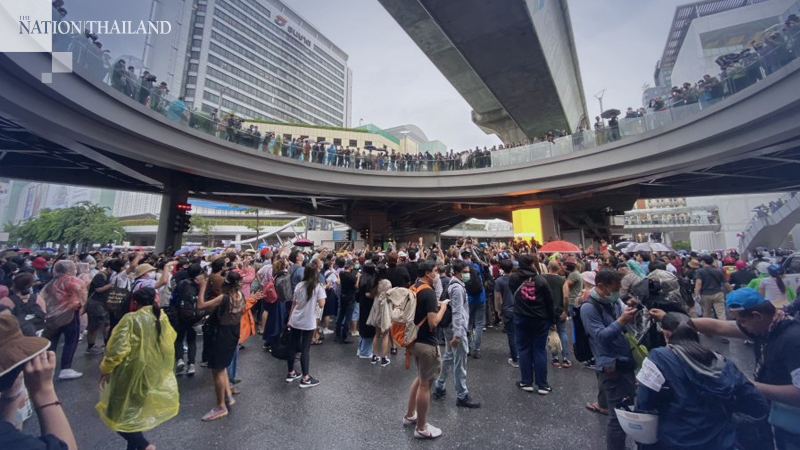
x=100 y=65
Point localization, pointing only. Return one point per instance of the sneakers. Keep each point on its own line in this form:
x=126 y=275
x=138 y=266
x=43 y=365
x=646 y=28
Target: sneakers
x=230 y=401
x=180 y=367
x=408 y=421
x=566 y=364
x=190 y=370
x=215 y=414
x=513 y=363
x=544 y=390
x=554 y=361
x=385 y=362
x=468 y=402
x=309 y=383
x=69 y=374
x=327 y=331
x=375 y=359
x=364 y=356
x=525 y=386
x=430 y=432
x=476 y=354
x=96 y=350
x=438 y=393
x=291 y=376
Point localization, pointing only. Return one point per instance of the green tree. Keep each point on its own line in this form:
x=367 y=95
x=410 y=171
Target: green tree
x=681 y=245
x=83 y=224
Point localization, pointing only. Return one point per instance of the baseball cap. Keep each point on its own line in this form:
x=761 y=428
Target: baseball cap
x=745 y=298
x=740 y=264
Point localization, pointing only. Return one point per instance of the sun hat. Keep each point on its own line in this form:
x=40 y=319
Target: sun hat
x=142 y=269
x=15 y=348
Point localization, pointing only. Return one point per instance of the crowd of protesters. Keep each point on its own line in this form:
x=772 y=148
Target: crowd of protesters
x=148 y=308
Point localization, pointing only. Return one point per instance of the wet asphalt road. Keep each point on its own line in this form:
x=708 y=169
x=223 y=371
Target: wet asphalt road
x=360 y=406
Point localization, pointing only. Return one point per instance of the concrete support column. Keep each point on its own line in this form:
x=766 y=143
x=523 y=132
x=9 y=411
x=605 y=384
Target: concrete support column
x=550 y=229
x=167 y=239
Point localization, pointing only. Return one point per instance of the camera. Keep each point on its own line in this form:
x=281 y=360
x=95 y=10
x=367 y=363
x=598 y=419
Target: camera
x=150 y=78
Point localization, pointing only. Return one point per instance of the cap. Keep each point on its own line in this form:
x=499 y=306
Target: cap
x=142 y=269
x=39 y=263
x=744 y=298
x=740 y=264
x=15 y=348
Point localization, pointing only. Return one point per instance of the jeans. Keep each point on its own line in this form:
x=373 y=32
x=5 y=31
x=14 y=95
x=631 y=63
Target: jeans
x=454 y=359
x=532 y=347
x=301 y=343
x=365 y=346
x=232 y=365
x=508 y=326
x=186 y=330
x=71 y=332
x=346 y=306
x=561 y=328
x=617 y=386
x=477 y=319
x=136 y=441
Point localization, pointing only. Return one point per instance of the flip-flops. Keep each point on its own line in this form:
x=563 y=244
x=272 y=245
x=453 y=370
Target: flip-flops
x=594 y=407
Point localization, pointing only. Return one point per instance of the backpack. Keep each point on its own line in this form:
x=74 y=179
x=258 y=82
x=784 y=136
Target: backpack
x=402 y=303
x=475 y=284
x=117 y=296
x=283 y=287
x=29 y=314
x=187 y=302
x=580 y=338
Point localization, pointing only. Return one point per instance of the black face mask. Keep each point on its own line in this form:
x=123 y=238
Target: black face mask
x=26 y=291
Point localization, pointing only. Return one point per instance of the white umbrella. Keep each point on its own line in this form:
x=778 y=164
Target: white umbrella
x=623 y=244
x=648 y=247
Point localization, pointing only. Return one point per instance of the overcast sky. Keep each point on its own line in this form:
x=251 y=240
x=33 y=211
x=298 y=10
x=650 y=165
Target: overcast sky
x=618 y=41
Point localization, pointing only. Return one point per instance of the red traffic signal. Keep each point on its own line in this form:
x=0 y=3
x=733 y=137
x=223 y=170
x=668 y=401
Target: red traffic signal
x=184 y=206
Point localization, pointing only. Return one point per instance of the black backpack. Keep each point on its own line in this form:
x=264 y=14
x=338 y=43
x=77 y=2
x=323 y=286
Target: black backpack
x=29 y=314
x=475 y=284
x=580 y=338
x=187 y=303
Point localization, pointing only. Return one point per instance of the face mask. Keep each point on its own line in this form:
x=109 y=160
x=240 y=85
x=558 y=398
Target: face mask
x=465 y=277
x=613 y=297
x=28 y=263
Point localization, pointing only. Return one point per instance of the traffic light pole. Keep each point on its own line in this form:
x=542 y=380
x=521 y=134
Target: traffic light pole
x=168 y=239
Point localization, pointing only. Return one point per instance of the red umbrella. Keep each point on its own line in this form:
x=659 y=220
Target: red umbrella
x=304 y=243
x=560 y=246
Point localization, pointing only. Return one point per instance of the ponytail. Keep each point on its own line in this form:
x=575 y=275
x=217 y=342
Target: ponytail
x=157 y=313
x=780 y=283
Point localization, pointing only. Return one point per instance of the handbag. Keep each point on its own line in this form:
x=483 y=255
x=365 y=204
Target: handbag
x=786 y=417
x=554 y=343
x=282 y=347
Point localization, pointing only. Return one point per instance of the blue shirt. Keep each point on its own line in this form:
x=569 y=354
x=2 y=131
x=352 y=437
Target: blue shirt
x=606 y=335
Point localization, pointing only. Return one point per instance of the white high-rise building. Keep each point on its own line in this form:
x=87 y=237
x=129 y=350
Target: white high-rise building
x=256 y=58
x=136 y=203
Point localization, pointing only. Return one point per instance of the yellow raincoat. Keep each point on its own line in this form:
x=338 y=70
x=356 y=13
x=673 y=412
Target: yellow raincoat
x=142 y=391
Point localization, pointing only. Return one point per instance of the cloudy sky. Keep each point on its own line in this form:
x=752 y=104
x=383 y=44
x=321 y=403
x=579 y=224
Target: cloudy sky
x=618 y=41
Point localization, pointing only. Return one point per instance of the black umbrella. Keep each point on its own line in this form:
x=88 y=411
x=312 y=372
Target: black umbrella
x=609 y=113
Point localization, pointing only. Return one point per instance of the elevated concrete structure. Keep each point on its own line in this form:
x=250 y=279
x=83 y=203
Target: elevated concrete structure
x=78 y=131
x=513 y=61
x=770 y=231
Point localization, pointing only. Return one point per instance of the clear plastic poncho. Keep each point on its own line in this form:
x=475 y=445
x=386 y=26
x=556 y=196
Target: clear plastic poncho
x=142 y=391
x=63 y=295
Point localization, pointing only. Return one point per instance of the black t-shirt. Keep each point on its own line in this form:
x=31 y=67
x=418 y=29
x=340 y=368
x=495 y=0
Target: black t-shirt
x=556 y=283
x=426 y=303
x=398 y=276
x=348 y=282
x=100 y=280
x=741 y=278
x=413 y=271
x=776 y=353
x=711 y=280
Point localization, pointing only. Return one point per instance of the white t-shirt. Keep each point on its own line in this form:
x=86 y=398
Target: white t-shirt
x=771 y=291
x=304 y=316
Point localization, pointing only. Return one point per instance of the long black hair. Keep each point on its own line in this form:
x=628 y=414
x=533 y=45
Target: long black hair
x=311 y=278
x=685 y=335
x=146 y=296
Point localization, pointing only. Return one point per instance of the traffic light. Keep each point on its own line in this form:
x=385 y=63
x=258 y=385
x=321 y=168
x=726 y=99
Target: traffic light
x=365 y=234
x=183 y=220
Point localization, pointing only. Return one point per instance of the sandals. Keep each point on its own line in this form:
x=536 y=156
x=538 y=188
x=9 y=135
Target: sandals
x=595 y=408
x=316 y=342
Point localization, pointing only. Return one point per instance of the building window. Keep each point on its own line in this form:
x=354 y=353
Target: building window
x=191 y=79
x=367 y=143
x=353 y=143
x=197 y=43
x=287 y=137
x=193 y=67
x=303 y=138
x=201 y=7
x=189 y=93
x=337 y=142
x=320 y=138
